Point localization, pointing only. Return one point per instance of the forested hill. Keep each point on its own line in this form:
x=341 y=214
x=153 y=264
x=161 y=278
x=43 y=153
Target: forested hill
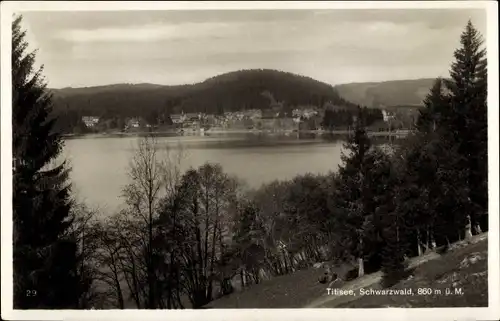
x=244 y=89
x=388 y=93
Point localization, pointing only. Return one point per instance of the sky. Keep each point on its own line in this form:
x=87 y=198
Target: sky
x=81 y=49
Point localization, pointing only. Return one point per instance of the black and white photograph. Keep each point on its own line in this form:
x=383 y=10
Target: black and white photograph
x=321 y=160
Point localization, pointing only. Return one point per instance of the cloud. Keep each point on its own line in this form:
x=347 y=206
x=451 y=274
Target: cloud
x=145 y=33
x=187 y=46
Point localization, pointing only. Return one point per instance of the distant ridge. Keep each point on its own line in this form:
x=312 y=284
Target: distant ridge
x=243 y=89
x=237 y=90
x=407 y=92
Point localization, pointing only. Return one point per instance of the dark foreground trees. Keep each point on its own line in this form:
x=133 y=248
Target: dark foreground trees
x=467 y=121
x=453 y=134
x=442 y=191
x=382 y=206
x=186 y=238
x=45 y=255
x=429 y=193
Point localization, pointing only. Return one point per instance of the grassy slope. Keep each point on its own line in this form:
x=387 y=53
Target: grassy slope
x=453 y=270
x=292 y=290
x=301 y=289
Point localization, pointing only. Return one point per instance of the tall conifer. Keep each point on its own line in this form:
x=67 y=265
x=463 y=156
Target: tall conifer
x=44 y=258
x=468 y=122
x=351 y=193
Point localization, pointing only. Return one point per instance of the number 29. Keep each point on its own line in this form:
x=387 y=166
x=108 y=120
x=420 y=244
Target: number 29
x=30 y=292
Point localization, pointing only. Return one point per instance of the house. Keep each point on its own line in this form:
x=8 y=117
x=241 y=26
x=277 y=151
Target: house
x=387 y=115
x=192 y=116
x=305 y=112
x=209 y=120
x=268 y=113
x=286 y=123
x=239 y=115
x=267 y=123
x=177 y=118
x=228 y=115
x=308 y=113
x=253 y=113
x=191 y=124
x=90 y=121
x=133 y=123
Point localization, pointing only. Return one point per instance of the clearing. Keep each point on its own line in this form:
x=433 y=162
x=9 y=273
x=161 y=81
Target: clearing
x=462 y=272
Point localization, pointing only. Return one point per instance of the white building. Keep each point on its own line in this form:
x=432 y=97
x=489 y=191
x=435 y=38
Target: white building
x=387 y=116
x=134 y=123
x=90 y=121
x=178 y=118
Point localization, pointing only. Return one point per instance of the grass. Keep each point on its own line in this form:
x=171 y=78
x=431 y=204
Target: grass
x=432 y=271
x=281 y=292
x=464 y=269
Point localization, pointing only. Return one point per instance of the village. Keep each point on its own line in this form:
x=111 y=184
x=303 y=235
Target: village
x=275 y=119
x=255 y=119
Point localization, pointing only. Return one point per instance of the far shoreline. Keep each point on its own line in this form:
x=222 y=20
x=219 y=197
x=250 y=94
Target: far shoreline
x=234 y=131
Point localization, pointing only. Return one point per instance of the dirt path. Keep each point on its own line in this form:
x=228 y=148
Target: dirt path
x=371 y=279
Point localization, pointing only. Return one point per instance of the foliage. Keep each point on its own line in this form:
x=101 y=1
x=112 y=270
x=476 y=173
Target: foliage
x=343 y=118
x=467 y=120
x=45 y=254
x=183 y=237
x=235 y=91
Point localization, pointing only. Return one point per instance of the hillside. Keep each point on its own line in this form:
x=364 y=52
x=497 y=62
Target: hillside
x=244 y=89
x=234 y=91
x=387 y=93
x=463 y=268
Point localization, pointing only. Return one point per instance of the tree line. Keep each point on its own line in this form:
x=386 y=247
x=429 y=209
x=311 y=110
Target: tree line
x=345 y=118
x=235 y=91
x=183 y=237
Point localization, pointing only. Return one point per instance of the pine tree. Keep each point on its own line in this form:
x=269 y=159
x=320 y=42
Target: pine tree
x=44 y=261
x=436 y=108
x=393 y=253
x=421 y=189
x=391 y=223
x=433 y=192
x=351 y=194
x=447 y=162
x=468 y=122
x=387 y=241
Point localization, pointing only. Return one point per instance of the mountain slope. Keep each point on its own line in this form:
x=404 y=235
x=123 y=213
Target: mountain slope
x=245 y=89
x=387 y=93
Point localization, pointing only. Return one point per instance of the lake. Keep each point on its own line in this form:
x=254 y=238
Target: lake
x=99 y=164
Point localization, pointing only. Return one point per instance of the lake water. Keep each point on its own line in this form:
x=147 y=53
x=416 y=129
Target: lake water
x=99 y=165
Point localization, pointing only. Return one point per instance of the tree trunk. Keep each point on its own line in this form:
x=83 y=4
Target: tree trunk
x=433 y=243
x=361 y=267
x=121 y=303
x=426 y=240
x=256 y=276
x=286 y=259
x=419 y=247
x=242 y=276
x=468 y=230
x=177 y=290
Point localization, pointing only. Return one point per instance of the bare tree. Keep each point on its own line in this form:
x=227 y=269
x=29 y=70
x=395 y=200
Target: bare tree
x=108 y=257
x=139 y=246
x=81 y=230
x=143 y=194
x=196 y=225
